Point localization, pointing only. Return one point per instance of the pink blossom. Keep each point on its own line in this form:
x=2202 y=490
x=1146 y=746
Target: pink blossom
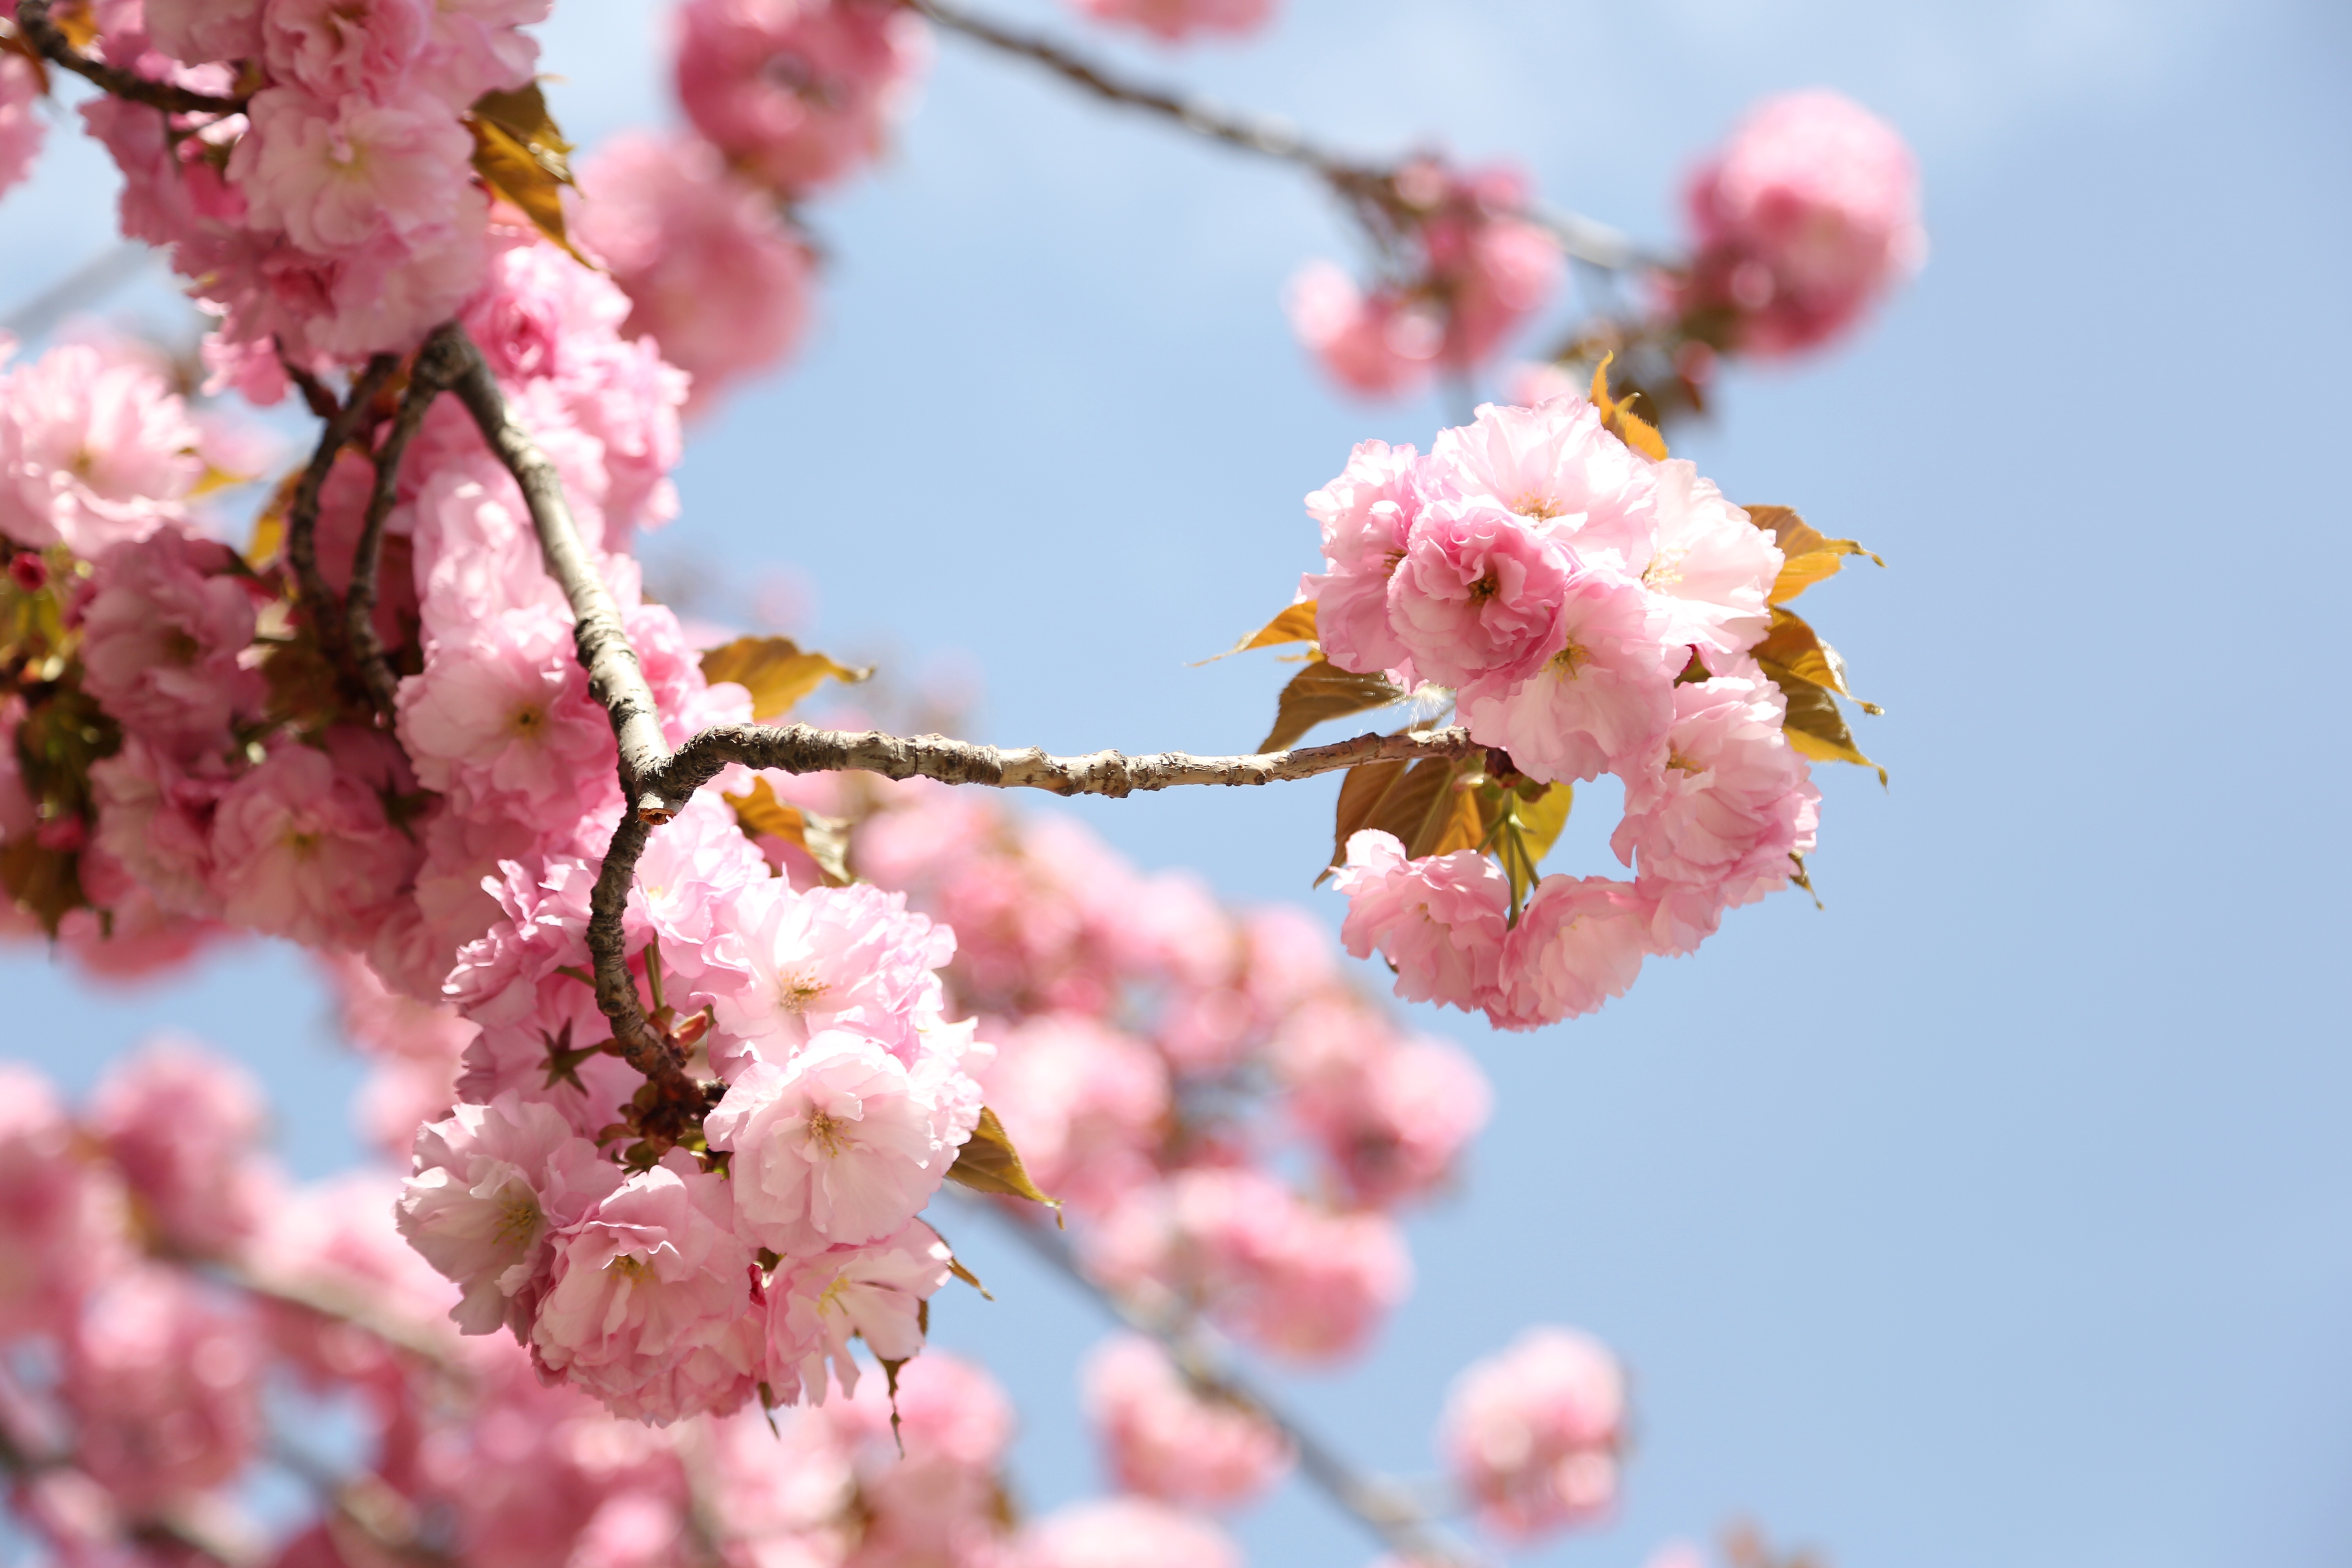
x=343 y=49
x=714 y=274
x=62 y=1219
x=1438 y=921
x=1170 y=21
x=1806 y=216
x=1477 y=595
x=1712 y=570
x=1166 y=1440
x=841 y=1144
x=779 y=1479
x=94 y=448
x=197 y=30
x=1366 y=514
x=1532 y=1433
x=1391 y=1115
x=927 y=1479
x=165 y=1387
x=182 y=1125
x=345 y=173
x=302 y=849
x=830 y=958
x=1379 y=344
x=20 y=124
x=489 y=1185
x=648 y=1304
x=476 y=554
x=1124 y=1533
x=1601 y=699
x=504 y=719
x=338 y=1236
x=1556 y=465
x=689 y=879
x=1083 y=1103
x=156 y=821
x=1712 y=826
x=798 y=92
x=874 y=1292
x=164 y=633
x=478 y=46
x=1580 y=941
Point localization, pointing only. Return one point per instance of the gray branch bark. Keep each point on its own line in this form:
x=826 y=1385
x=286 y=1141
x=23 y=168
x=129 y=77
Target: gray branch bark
x=302 y=512
x=33 y=21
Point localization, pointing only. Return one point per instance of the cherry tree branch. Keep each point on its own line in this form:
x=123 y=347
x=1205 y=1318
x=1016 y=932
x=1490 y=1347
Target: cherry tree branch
x=1385 y=1506
x=33 y=21
x=437 y=365
x=302 y=512
x=1584 y=238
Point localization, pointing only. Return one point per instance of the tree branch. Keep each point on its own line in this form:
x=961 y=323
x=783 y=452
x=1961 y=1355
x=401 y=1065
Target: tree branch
x=33 y=21
x=302 y=512
x=438 y=363
x=1587 y=240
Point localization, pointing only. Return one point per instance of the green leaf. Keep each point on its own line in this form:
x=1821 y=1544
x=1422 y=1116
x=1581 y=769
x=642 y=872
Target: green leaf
x=1295 y=624
x=775 y=671
x=825 y=839
x=989 y=1164
x=1323 y=691
x=1807 y=557
x=521 y=156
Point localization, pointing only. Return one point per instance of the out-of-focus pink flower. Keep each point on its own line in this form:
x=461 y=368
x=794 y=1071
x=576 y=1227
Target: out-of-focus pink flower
x=165 y=1388
x=1712 y=570
x=1083 y=1103
x=780 y=1483
x=20 y=126
x=798 y=92
x=928 y=1480
x=843 y=1144
x=163 y=633
x=874 y=1292
x=414 y=1044
x=302 y=849
x=1366 y=514
x=1807 y=214
x=1171 y=21
x=1380 y=344
x=1439 y=921
x=713 y=273
x=475 y=46
x=344 y=175
x=94 y=448
x=490 y=1184
x=1124 y=1533
x=1532 y=1433
x=61 y=1217
x=649 y=1304
x=180 y=1124
x=1478 y=594
x=1602 y=698
x=194 y=31
x=1391 y=1115
x=156 y=821
x=1580 y=941
x=342 y=49
x=1166 y=1441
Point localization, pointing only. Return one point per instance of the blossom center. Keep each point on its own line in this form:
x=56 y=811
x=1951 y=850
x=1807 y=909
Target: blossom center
x=824 y=1132
x=630 y=1267
x=1571 y=659
x=1536 y=507
x=1665 y=570
x=527 y=722
x=795 y=992
x=518 y=1216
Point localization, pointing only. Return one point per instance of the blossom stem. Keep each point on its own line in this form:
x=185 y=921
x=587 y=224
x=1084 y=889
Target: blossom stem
x=302 y=512
x=438 y=365
x=32 y=21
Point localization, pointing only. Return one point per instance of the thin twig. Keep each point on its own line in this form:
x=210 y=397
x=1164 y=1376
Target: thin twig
x=1381 y=1505
x=33 y=21
x=1356 y=179
x=438 y=363
x=302 y=512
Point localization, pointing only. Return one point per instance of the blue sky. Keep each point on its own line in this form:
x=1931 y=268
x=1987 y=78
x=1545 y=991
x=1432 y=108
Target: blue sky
x=1996 y=1213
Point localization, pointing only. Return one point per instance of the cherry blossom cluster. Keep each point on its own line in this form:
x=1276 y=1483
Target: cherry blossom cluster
x=1591 y=610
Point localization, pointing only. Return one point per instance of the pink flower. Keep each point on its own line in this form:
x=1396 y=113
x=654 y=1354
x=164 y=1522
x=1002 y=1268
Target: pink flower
x=1477 y=595
x=164 y=636
x=302 y=849
x=1438 y=921
x=194 y=31
x=648 y=1306
x=156 y=821
x=1712 y=571
x=504 y=720
x=797 y=93
x=830 y=958
x=1497 y=270
x=1124 y=1533
x=20 y=125
x=1391 y=1115
x=1532 y=1433
x=1580 y=941
x=779 y=1479
x=689 y=879
x=714 y=274
x=1806 y=217
x=343 y=49
x=874 y=1291
x=843 y=1144
x=1167 y=1441
x=94 y=448
x=1172 y=20
x=1601 y=699
x=1714 y=825
x=182 y=1125
x=477 y=46
x=1083 y=1103
x=165 y=1388
x=62 y=1219
x=1379 y=344
x=490 y=1184
x=1366 y=514
x=342 y=175
x=927 y=1480
x=1556 y=465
